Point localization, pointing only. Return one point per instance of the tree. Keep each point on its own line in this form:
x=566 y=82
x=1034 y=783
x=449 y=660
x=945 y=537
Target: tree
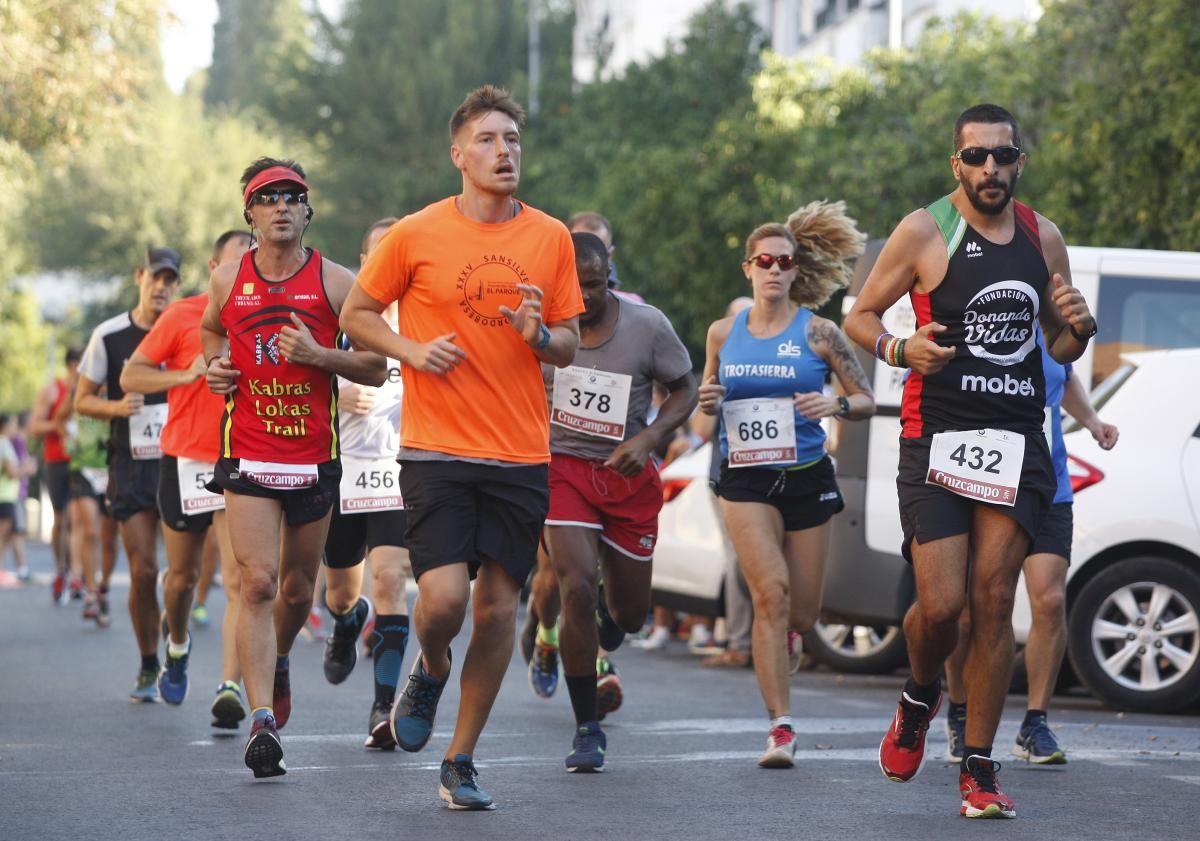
x=262 y=57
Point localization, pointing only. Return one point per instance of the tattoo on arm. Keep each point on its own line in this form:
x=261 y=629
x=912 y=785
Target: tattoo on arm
x=825 y=338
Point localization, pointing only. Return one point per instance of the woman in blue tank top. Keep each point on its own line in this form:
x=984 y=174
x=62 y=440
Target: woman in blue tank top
x=764 y=376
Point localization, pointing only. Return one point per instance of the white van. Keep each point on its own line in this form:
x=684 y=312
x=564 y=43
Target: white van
x=1137 y=537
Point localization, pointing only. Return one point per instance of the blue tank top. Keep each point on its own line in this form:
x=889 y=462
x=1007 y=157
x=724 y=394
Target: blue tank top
x=778 y=366
x=1056 y=382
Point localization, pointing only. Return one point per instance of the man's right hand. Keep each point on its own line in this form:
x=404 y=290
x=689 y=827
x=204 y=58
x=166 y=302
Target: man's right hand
x=440 y=356
x=923 y=354
x=221 y=375
x=355 y=399
x=131 y=403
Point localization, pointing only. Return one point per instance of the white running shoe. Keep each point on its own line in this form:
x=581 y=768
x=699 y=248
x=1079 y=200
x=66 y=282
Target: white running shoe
x=659 y=635
x=781 y=749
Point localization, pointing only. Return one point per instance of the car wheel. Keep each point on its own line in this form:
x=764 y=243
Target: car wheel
x=857 y=649
x=1134 y=635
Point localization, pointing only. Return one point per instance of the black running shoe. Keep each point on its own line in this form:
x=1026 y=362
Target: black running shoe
x=341 y=649
x=529 y=633
x=379 y=728
x=610 y=633
x=264 y=752
x=588 y=748
x=460 y=786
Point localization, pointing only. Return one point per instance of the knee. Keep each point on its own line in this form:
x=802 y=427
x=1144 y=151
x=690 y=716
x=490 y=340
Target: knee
x=258 y=587
x=144 y=575
x=944 y=611
x=1048 y=604
x=296 y=590
x=446 y=612
x=771 y=602
x=578 y=591
x=183 y=579
x=495 y=617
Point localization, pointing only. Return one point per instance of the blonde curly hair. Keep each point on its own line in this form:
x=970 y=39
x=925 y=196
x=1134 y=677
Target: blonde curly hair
x=828 y=241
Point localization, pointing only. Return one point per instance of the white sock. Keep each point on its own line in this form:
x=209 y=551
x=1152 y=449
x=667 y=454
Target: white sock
x=176 y=650
x=782 y=721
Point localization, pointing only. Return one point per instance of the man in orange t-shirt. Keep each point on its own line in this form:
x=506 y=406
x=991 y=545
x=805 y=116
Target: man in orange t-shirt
x=170 y=358
x=487 y=291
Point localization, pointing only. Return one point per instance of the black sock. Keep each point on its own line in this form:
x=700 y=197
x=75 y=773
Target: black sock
x=927 y=695
x=956 y=708
x=583 y=697
x=1032 y=716
x=969 y=751
x=388 y=641
x=150 y=663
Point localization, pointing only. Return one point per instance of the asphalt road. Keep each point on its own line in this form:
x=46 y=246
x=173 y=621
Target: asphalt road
x=78 y=761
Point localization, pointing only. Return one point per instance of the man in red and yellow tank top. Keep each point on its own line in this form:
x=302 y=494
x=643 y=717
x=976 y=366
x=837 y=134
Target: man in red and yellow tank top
x=270 y=337
x=487 y=291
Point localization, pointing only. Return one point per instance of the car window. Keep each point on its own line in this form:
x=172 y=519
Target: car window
x=1143 y=313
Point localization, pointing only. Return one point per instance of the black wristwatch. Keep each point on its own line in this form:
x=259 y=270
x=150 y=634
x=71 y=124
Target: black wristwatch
x=1086 y=336
x=843 y=407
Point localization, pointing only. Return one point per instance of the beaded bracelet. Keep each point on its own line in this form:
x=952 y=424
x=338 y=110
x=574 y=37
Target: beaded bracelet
x=890 y=350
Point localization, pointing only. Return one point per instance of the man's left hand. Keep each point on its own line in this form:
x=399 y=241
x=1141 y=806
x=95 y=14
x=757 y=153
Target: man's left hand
x=527 y=318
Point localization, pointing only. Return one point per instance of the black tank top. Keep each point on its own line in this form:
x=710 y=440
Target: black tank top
x=989 y=302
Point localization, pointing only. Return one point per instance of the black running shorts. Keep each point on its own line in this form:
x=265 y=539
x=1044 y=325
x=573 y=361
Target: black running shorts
x=170 y=506
x=461 y=512
x=930 y=512
x=132 y=485
x=805 y=497
x=351 y=536
x=300 y=505
x=1058 y=527
x=56 y=475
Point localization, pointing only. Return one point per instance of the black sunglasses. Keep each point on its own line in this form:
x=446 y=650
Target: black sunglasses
x=978 y=155
x=765 y=261
x=270 y=197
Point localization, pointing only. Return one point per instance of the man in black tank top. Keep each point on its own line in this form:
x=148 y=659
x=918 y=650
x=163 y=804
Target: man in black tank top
x=975 y=479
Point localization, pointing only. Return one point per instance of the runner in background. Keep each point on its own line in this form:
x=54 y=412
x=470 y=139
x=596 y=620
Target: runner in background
x=605 y=492
x=170 y=358
x=136 y=424
x=369 y=520
x=56 y=465
x=765 y=375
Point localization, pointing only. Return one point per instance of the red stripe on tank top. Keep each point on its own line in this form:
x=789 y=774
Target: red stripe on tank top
x=1027 y=222
x=912 y=421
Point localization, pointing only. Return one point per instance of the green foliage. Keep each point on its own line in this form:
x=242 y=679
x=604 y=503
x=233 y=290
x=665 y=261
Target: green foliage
x=1120 y=154
x=165 y=174
x=24 y=344
x=262 y=56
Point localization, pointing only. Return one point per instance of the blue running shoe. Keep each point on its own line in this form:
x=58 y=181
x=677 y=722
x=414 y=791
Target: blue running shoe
x=610 y=633
x=460 y=788
x=956 y=731
x=1036 y=743
x=587 y=751
x=227 y=708
x=146 y=689
x=543 y=669
x=173 y=680
x=415 y=709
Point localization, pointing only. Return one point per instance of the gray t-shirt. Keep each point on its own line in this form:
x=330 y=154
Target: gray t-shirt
x=644 y=346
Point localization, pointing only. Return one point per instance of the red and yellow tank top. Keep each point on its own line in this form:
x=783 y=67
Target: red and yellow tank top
x=282 y=411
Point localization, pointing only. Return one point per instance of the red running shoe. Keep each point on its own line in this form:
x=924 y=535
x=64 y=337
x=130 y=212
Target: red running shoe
x=57 y=588
x=281 y=697
x=902 y=751
x=981 y=795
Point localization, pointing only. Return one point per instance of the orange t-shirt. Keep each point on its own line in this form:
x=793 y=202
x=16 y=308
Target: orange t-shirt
x=193 y=428
x=451 y=275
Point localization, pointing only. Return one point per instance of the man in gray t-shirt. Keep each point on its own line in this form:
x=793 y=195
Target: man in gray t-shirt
x=605 y=493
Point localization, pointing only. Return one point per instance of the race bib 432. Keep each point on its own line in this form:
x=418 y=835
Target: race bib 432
x=979 y=464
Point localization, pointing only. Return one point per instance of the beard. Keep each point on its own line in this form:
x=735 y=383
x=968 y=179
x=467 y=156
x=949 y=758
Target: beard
x=991 y=208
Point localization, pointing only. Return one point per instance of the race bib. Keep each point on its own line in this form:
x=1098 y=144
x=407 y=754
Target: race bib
x=591 y=401
x=370 y=484
x=145 y=428
x=194 y=498
x=980 y=464
x=761 y=431
x=278 y=477
x=97 y=477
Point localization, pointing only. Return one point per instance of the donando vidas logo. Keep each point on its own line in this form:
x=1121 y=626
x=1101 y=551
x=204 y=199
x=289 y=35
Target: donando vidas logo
x=789 y=349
